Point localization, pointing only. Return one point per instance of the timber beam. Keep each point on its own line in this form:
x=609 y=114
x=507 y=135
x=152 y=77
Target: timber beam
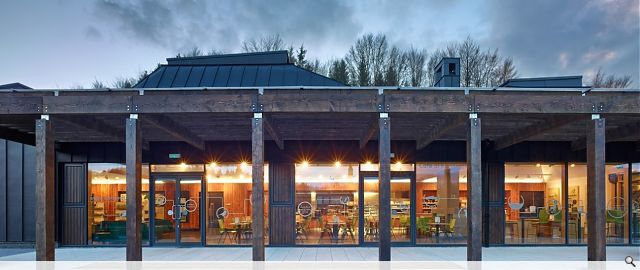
x=345 y=99
x=268 y=126
x=174 y=129
x=92 y=123
x=45 y=190
x=441 y=129
x=629 y=131
x=527 y=132
x=371 y=130
x=596 y=192
x=474 y=178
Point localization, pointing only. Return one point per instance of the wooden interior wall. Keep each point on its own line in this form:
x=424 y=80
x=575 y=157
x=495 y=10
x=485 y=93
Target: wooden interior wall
x=282 y=204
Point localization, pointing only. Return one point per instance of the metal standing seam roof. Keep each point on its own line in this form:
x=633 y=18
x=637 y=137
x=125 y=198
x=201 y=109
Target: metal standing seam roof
x=233 y=70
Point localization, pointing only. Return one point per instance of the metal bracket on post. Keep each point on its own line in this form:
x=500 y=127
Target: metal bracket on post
x=44 y=116
x=474 y=118
x=133 y=116
x=257 y=115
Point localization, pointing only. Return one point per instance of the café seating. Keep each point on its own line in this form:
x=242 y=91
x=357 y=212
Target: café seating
x=225 y=232
x=615 y=221
x=302 y=229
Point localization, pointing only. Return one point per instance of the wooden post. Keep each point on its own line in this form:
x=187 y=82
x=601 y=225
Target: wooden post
x=45 y=202
x=474 y=176
x=134 y=188
x=596 y=239
x=257 y=194
x=384 y=188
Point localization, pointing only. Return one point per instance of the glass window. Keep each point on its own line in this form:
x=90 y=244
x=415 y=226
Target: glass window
x=635 y=203
x=533 y=203
x=577 y=203
x=617 y=207
x=400 y=202
x=326 y=204
x=441 y=193
x=107 y=211
x=228 y=203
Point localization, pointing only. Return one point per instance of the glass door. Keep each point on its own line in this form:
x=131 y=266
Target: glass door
x=177 y=210
x=189 y=217
x=401 y=210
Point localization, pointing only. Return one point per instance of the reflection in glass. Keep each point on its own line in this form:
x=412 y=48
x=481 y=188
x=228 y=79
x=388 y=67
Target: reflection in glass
x=441 y=193
x=228 y=204
x=534 y=203
x=617 y=209
x=635 y=203
x=326 y=204
x=577 y=203
x=107 y=210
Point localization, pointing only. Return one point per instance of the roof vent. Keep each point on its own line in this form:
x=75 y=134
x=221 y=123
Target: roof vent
x=447 y=73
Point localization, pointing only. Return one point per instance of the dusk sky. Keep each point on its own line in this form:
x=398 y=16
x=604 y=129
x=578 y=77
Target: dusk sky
x=62 y=44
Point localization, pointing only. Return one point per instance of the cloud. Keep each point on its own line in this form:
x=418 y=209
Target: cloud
x=180 y=25
x=549 y=37
x=92 y=32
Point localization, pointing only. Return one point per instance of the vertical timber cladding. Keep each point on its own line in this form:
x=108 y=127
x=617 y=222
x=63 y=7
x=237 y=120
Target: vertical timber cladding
x=596 y=239
x=74 y=205
x=493 y=194
x=281 y=206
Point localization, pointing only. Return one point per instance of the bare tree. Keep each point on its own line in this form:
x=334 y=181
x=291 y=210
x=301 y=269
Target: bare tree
x=123 y=82
x=478 y=68
x=603 y=80
x=339 y=71
x=98 y=84
x=396 y=67
x=505 y=71
x=416 y=60
x=264 y=44
x=366 y=59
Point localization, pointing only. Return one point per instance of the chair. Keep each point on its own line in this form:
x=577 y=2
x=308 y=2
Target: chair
x=615 y=219
x=302 y=229
x=451 y=229
x=325 y=228
x=405 y=224
x=542 y=226
x=224 y=232
x=348 y=229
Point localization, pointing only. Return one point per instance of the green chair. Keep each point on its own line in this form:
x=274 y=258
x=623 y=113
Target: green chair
x=451 y=229
x=615 y=220
x=224 y=232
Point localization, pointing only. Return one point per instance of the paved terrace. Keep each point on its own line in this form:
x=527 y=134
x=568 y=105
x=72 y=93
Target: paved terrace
x=616 y=253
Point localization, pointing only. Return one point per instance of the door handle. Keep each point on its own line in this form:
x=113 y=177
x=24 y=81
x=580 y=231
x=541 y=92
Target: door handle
x=177 y=214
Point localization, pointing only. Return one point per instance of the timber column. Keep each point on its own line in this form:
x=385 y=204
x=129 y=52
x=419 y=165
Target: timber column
x=257 y=194
x=474 y=178
x=45 y=202
x=384 y=187
x=134 y=188
x=596 y=239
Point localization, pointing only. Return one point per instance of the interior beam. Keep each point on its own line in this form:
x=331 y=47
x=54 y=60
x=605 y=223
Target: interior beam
x=17 y=136
x=528 y=132
x=441 y=129
x=175 y=129
x=266 y=121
